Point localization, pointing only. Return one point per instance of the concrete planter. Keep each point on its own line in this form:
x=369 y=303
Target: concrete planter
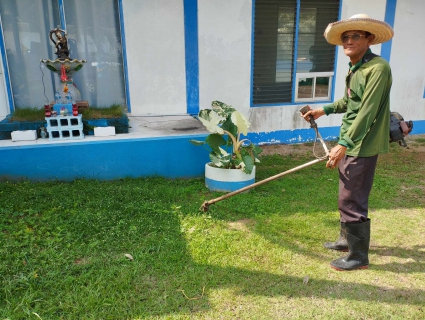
x=120 y=124
x=6 y=126
x=227 y=180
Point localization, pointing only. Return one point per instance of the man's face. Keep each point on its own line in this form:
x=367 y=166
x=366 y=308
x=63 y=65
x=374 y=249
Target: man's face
x=355 y=44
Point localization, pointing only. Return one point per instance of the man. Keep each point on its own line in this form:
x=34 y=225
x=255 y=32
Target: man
x=364 y=131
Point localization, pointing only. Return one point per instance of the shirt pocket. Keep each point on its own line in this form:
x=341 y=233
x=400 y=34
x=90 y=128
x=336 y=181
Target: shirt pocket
x=353 y=104
x=353 y=95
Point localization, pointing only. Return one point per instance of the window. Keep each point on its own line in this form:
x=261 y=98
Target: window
x=93 y=35
x=292 y=60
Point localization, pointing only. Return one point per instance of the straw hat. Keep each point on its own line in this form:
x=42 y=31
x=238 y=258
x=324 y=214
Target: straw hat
x=382 y=30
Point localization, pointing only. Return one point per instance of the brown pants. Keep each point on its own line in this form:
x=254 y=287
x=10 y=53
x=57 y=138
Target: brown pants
x=355 y=182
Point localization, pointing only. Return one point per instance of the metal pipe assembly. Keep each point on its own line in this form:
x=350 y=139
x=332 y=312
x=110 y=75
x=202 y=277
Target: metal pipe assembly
x=303 y=110
x=206 y=204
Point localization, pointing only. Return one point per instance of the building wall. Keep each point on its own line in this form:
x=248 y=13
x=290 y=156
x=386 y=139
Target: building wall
x=154 y=32
x=225 y=52
x=156 y=44
x=225 y=40
x=408 y=60
x=4 y=108
x=281 y=118
x=156 y=59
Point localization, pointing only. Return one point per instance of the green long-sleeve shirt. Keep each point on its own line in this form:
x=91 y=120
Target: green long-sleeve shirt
x=366 y=104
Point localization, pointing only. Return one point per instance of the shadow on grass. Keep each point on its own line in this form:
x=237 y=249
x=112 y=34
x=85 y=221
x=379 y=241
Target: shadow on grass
x=85 y=273
x=414 y=258
x=64 y=244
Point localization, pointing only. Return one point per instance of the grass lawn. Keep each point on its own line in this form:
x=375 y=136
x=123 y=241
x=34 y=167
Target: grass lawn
x=141 y=249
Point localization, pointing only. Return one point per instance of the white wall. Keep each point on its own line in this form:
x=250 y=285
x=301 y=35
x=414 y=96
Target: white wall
x=156 y=59
x=225 y=29
x=4 y=108
x=408 y=60
x=155 y=56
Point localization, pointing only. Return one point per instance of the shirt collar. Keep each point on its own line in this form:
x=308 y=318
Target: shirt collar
x=358 y=64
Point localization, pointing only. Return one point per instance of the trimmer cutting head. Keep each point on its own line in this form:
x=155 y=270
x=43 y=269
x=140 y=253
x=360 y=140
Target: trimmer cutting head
x=205 y=206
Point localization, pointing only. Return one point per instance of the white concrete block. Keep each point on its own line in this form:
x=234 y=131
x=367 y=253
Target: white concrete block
x=24 y=135
x=104 y=131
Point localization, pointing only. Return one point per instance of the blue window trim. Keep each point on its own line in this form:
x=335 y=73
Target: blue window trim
x=297 y=32
x=251 y=92
x=191 y=56
x=8 y=84
x=336 y=57
x=390 y=10
x=62 y=14
x=124 y=55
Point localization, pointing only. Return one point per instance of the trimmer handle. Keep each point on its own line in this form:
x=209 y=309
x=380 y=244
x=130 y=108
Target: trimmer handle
x=303 y=111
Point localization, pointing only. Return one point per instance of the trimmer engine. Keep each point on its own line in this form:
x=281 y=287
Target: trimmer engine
x=397 y=124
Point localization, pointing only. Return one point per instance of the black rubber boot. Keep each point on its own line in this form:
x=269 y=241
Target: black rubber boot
x=340 y=244
x=358 y=238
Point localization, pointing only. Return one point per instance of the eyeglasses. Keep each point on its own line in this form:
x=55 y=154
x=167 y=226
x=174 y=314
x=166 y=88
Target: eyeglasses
x=354 y=37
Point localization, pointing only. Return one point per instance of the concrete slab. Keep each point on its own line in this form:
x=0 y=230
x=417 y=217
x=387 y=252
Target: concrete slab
x=163 y=126
x=140 y=127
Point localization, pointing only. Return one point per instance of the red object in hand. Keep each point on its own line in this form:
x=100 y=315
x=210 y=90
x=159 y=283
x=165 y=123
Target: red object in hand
x=74 y=110
x=47 y=111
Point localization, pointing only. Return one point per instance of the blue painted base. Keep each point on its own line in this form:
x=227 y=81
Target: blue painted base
x=58 y=106
x=227 y=180
x=226 y=186
x=171 y=157
x=308 y=135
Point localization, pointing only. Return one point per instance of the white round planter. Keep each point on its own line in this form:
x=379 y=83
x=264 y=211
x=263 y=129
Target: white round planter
x=227 y=180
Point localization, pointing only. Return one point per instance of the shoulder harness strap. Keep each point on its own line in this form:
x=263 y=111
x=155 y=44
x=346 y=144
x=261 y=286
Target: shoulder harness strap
x=369 y=56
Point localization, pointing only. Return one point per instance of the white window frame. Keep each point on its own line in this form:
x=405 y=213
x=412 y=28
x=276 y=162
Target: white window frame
x=314 y=76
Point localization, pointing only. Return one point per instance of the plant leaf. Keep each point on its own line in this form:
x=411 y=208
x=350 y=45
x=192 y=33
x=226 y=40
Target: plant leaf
x=241 y=122
x=222 y=109
x=197 y=142
x=211 y=121
x=215 y=140
x=248 y=160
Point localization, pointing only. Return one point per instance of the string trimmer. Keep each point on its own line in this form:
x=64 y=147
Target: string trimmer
x=313 y=124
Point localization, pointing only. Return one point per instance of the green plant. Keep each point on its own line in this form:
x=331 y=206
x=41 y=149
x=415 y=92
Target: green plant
x=113 y=111
x=223 y=120
x=37 y=114
x=27 y=114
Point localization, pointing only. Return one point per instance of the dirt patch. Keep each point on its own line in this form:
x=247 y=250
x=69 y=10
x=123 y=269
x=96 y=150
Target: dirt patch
x=241 y=225
x=286 y=149
x=416 y=143
x=81 y=261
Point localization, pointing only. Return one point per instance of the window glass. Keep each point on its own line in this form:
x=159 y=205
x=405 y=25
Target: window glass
x=93 y=34
x=26 y=26
x=284 y=41
x=306 y=38
x=305 y=88
x=285 y=44
x=322 y=87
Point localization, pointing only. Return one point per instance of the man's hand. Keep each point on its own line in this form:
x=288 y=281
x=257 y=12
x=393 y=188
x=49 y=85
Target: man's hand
x=335 y=156
x=316 y=113
x=404 y=128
